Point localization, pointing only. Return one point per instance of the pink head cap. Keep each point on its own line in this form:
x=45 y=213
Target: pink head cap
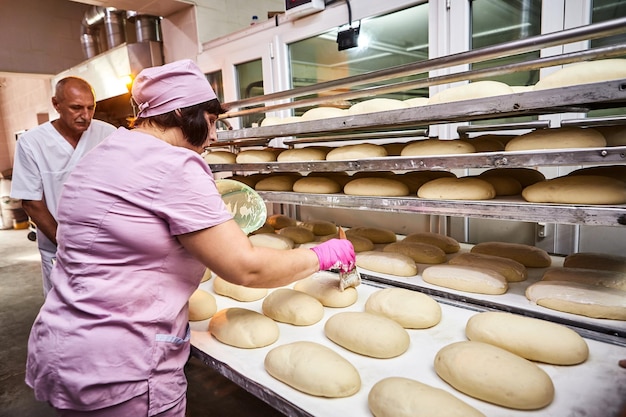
x=162 y=89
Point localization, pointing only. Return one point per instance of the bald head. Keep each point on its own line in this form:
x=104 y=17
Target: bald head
x=75 y=102
x=67 y=83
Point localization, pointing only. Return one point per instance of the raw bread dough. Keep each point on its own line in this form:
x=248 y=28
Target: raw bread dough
x=466 y=278
x=404 y=397
x=278 y=221
x=266 y=228
x=377 y=104
x=577 y=189
x=255 y=155
x=421 y=253
x=415 y=179
x=446 y=243
x=249 y=180
x=465 y=188
x=609 y=279
x=276 y=183
x=359 y=151
x=437 y=147
x=271 y=240
x=614 y=171
x=207 y=275
x=504 y=185
x=294 y=307
x=375 y=234
x=383 y=187
x=319 y=227
x=237 y=292
x=495 y=375
x=410 y=309
x=593 y=260
x=202 y=305
x=316 y=185
x=220 y=157
x=529 y=256
x=416 y=101
x=473 y=90
x=367 y=334
x=584 y=73
x=485 y=143
x=360 y=243
x=324 y=286
x=390 y=263
x=243 y=328
x=534 y=339
x=302 y=155
x=394 y=149
x=298 y=234
x=321 y=113
x=576 y=298
x=525 y=176
x=614 y=135
x=558 y=138
x=313 y=369
x=512 y=270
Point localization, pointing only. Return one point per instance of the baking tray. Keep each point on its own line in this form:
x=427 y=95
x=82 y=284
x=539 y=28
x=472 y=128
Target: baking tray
x=596 y=387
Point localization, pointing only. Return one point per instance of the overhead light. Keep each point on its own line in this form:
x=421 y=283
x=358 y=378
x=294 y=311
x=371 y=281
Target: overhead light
x=348 y=38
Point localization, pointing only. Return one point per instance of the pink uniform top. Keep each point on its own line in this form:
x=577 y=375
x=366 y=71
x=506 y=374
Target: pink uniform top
x=116 y=323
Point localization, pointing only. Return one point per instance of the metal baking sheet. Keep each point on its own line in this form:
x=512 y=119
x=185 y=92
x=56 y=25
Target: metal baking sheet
x=596 y=387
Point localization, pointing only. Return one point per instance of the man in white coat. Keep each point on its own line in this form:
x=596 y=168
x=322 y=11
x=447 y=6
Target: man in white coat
x=46 y=154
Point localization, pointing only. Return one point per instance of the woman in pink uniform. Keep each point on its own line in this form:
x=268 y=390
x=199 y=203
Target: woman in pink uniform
x=140 y=219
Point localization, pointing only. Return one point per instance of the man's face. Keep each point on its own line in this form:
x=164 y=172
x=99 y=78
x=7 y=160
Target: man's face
x=75 y=107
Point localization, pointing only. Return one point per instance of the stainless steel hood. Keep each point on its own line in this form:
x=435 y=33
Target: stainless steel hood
x=109 y=72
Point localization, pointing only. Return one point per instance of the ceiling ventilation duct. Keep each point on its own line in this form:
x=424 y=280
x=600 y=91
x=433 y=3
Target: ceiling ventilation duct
x=102 y=25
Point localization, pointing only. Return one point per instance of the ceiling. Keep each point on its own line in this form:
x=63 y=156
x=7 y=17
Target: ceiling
x=151 y=7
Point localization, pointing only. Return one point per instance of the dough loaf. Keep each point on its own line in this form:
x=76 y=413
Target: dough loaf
x=359 y=151
x=473 y=90
x=271 y=240
x=321 y=113
x=302 y=155
x=313 y=369
x=317 y=185
x=220 y=157
x=529 y=256
x=577 y=189
x=495 y=375
x=410 y=309
x=243 y=328
x=594 y=260
x=367 y=334
x=584 y=73
x=276 y=183
x=375 y=234
x=504 y=185
x=446 y=243
x=375 y=105
x=294 y=307
x=609 y=279
x=465 y=188
x=324 y=286
x=237 y=292
x=510 y=269
x=534 y=339
x=298 y=234
x=383 y=187
x=525 y=176
x=387 y=263
x=466 y=278
x=421 y=253
x=202 y=305
x=278 y=221
x=404 y=397
x=577 y=298
x=557 y=138
x=614 y=171
x=207 y=275
x=319 y=227
x=255 y=155
x=437 y=147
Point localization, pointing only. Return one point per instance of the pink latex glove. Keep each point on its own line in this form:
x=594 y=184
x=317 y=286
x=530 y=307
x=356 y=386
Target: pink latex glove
x=335 y=254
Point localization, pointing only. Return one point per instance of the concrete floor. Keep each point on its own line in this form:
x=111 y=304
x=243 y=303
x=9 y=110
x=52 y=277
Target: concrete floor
x=209 y=393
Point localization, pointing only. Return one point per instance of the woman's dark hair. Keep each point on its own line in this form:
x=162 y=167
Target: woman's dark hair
x=190 y=120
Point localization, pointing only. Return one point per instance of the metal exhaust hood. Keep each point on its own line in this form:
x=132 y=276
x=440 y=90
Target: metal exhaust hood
x=110 y=72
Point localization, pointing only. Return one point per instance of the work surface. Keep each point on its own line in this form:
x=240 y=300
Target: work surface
x=596 y=387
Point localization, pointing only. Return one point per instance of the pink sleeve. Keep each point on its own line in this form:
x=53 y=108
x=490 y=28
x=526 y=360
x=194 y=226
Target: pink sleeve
x=188 y=198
